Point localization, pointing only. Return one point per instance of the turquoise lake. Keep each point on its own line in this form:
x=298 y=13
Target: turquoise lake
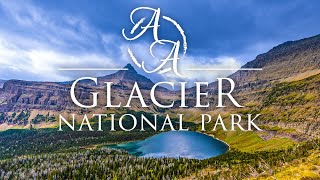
x=176 y=144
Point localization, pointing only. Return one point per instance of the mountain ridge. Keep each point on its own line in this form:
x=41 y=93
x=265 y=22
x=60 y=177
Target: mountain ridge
x=284 y=61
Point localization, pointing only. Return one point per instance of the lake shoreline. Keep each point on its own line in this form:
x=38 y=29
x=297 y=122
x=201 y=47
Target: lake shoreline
x=176 y=144
x=229 y=148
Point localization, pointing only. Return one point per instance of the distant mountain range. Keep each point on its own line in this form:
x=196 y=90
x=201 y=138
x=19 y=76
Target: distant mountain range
x=19 y=95
x=286 y=63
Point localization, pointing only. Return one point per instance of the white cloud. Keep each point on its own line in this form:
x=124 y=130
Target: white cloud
x=46 y=43
x=42 y=64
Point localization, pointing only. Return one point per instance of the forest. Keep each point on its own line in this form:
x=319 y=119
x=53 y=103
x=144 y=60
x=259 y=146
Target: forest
x=50 y=154
x=79 y=161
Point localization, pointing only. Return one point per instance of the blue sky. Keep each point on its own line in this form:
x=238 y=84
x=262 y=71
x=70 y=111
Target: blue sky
x=38 y=37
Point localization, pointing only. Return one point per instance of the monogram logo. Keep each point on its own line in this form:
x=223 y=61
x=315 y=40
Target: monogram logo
x=139 y=29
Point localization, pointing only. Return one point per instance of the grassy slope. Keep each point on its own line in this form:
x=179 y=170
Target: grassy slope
x=304 y=168
x=287 y=101
x=250 y=141
x=295 y=101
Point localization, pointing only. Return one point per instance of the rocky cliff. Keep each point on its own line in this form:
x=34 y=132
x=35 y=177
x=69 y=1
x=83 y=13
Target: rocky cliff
x=286 y=60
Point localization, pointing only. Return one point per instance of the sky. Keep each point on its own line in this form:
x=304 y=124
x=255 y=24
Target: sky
x=39 y=37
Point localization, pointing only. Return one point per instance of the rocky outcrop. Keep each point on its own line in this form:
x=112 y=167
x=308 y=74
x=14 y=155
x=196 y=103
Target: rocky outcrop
x=288 y=59
x=308 y=130
x=18 y=95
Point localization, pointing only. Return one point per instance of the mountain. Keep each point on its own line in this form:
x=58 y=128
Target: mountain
x=285 y=92
x=126 y=79
x=19 y=96
x=122 y=79
x=291 y=60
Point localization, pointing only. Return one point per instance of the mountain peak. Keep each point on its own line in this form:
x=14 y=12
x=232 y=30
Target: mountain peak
x=127 y=78
x=130 y=68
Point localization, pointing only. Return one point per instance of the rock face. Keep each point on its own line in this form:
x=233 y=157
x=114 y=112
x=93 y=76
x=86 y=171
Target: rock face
x=18 y=95
x=281 y=62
